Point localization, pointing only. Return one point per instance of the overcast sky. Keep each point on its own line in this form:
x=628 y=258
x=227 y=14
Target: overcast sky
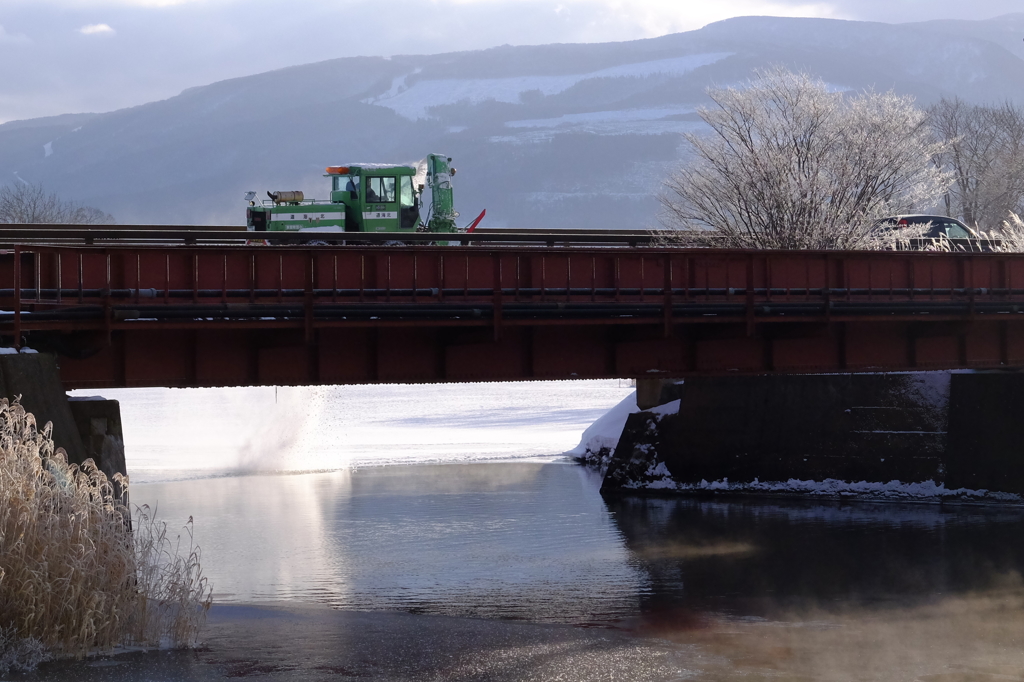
x=65 y=56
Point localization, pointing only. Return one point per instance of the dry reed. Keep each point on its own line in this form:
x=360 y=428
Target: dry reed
x=74 y=577
x=1010 y=235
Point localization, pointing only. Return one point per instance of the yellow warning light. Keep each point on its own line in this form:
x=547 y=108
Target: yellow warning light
x=337 y=170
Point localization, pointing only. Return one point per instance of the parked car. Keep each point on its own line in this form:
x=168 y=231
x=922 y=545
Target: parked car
x=938 y=226
x=936 y=231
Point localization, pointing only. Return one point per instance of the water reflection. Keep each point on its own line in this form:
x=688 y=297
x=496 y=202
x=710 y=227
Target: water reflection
x=756 y=557
x=741 y=589
x=832 y=591
x=527 y=540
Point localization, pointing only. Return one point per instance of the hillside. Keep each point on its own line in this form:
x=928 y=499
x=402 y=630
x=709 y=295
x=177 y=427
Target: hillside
x=543 y=136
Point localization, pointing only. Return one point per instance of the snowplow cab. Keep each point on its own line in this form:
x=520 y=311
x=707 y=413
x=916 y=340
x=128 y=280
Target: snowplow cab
x=377 y=198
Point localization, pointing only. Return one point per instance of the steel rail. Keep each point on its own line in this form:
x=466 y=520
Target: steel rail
x=164 y=234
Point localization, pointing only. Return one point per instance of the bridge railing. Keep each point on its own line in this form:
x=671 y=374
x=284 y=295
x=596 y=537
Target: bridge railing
x=36 y=278
x=47 y=284
x=70 y=275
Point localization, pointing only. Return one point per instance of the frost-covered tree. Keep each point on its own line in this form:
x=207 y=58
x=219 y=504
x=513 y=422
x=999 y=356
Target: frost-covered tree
x=790 y=164
x=985 y=153
x=25 y=203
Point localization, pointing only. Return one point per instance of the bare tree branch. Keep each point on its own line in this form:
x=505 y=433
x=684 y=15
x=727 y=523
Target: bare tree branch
x=985 y=153
x=32 y=204
x=791 y=165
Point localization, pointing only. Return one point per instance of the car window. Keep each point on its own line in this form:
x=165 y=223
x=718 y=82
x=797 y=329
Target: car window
x=934 y=229
x=937 y=227
x=954 y=231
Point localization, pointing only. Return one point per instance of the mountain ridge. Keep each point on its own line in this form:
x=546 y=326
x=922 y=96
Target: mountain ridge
x=558 y=135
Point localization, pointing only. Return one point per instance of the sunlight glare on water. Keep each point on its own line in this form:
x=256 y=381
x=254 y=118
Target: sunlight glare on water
x=526 y=540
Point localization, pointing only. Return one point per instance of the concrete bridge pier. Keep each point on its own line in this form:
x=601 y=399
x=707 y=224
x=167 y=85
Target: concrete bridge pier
x=653 y=392
x=85 y=427
x=905 y=433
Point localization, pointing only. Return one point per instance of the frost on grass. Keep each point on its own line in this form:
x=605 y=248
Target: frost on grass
x=74 y=577
x=19 y=654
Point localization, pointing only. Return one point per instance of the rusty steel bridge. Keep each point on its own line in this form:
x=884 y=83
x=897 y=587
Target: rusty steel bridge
x=190 y=307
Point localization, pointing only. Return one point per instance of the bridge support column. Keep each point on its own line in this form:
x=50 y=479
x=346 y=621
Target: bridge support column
x=98 y=422
x=935 y=435
x=85 y=428
x=36 y=378
x=653 y=392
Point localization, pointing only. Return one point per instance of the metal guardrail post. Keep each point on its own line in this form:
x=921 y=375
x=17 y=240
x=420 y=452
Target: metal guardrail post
x=668 y=296
x=750 y=294
x=498 y=294
x=17 y=297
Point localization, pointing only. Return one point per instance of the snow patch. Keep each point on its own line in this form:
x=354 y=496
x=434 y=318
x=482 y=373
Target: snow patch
x=610 y=127
x=600 y=438
x=47 y=149
x=622 y=116
x=414 y=102
x=831 y=487
x=658 y=476
x=667 y=408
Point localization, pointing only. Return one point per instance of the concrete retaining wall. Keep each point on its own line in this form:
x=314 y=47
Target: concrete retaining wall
x=956 y=430
x=89 y=428
x=35 y=377
x=99 y=424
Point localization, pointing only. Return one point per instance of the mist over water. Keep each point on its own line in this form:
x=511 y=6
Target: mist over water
x=454 y=501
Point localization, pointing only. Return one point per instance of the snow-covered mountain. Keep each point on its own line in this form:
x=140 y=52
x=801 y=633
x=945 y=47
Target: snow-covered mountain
x=543 y=136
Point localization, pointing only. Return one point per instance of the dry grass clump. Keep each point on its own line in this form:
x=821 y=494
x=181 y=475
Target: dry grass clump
x=172 y=596
x=1010 y=235
x=74 y=577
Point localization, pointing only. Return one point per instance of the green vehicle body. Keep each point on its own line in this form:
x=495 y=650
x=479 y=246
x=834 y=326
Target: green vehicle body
x=364 y=198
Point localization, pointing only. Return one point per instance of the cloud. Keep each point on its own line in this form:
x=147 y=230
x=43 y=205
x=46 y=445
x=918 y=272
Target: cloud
x=94 y=29
x=165 y=46
x=97 y=4
x=13 y=38
x=659 y=17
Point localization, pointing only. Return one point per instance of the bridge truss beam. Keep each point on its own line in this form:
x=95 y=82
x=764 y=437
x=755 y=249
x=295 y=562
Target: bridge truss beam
x=260 y=315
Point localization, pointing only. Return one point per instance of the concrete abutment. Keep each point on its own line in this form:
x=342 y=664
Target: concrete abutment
x=944 y=430
x=85 y=427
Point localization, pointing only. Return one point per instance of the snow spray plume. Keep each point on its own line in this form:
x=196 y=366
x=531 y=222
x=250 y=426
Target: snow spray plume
x=270 y=448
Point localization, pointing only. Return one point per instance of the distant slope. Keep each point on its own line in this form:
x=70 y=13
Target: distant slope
x=543 y=136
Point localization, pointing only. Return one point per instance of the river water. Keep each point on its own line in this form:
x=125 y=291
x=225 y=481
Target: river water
x=436 y=533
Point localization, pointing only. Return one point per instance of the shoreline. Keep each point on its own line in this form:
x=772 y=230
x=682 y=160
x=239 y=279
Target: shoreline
x=302 y=641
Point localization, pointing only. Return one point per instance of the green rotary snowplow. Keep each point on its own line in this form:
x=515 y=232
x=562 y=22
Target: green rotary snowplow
x=365 y=198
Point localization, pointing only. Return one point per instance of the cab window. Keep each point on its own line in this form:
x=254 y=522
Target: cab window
x=347 y=183
x=380 y=190
x=406 y=195
x=410 y=209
